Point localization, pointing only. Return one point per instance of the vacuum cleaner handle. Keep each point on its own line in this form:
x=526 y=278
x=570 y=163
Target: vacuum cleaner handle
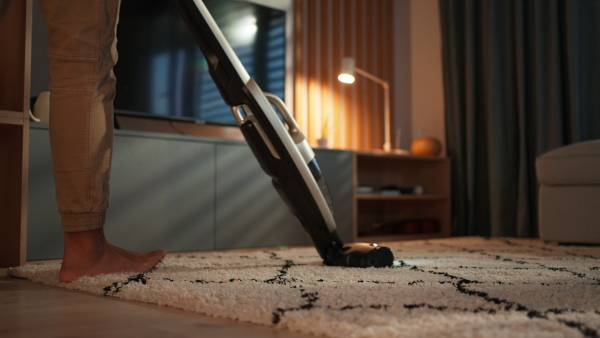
x=281 y=150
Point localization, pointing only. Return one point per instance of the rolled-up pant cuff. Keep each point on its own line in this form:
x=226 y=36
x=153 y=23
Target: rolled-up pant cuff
x=83 y=222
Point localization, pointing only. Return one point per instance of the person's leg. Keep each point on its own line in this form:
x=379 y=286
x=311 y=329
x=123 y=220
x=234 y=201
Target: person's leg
x=82 y=53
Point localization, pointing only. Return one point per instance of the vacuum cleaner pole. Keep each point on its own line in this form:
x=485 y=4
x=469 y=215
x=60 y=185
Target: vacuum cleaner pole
x=281 y=149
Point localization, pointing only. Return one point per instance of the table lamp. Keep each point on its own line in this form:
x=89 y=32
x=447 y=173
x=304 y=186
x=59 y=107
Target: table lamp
x=347 y=76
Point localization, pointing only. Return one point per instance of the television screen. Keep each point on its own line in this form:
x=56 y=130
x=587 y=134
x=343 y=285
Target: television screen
x=162 y=73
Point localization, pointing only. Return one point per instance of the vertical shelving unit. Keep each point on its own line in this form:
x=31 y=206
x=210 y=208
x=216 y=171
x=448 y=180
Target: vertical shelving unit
x=388 y=216
x=15 y=61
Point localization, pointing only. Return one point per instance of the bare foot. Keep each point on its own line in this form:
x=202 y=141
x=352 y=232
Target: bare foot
x=89 y=254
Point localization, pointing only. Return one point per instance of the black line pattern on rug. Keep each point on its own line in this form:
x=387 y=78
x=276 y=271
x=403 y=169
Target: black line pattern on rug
x=116 y=287
x=310 y=302
x=461 y=286
x=544 y=248
x=522 y=262
x=281 y=276
x=143 y=278
x=310 y=299
x=445 y=308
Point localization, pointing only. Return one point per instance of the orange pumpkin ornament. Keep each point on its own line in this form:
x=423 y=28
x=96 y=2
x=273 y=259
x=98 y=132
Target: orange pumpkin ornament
x=426 y=146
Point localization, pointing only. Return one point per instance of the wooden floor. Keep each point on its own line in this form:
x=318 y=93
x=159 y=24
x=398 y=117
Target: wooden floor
x=30 y=309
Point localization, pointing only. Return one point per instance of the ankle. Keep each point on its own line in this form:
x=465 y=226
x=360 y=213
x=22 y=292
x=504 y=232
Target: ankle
x=85 y=244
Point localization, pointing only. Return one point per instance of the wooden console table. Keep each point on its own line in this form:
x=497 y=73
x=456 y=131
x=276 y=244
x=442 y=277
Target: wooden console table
x=15 y=65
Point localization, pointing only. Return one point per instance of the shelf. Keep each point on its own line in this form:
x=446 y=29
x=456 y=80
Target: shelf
x=11 y=117
x=382 y=154
x=405 y=197
x=391 y=238
x=378 y=170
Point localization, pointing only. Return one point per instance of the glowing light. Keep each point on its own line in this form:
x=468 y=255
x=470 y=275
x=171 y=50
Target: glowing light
x=346 y=78
x=244 y=32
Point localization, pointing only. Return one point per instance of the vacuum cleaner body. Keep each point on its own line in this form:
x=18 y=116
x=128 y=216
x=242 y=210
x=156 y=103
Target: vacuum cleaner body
x=278 y=144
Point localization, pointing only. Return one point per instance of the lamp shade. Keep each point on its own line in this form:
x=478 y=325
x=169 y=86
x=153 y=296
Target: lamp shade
x=347 y=71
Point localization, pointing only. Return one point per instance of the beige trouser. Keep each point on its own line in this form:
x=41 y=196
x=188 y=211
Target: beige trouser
x=82 y=52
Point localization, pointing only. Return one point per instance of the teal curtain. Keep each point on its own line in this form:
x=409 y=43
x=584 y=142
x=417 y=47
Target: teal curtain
x=521 y=77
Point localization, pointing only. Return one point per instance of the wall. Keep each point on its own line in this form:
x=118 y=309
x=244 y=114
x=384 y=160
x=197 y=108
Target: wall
x=401 y=88
x=426 y=81
x=40 y=78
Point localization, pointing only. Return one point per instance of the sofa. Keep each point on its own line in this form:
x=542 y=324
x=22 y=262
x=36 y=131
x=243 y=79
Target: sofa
x=569 y=193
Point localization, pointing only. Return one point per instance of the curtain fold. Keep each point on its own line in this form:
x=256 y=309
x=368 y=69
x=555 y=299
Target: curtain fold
x=519 y=80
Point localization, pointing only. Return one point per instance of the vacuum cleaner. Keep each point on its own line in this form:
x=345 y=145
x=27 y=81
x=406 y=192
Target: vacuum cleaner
x=278 y=144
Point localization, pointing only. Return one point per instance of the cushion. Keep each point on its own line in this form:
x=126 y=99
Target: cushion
x=574 y=164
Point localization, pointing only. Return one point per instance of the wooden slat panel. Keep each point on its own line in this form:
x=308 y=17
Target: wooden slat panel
x=314 y=59
x=326 y=31
x=351 y=99
x=325 y=71
x=337 y=90
x=300 y=106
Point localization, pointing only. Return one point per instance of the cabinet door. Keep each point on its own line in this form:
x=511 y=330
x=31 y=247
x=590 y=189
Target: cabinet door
x=249 y=211
x=162 y=193
x=338 y=170
x=162 y=196
x=44 y=234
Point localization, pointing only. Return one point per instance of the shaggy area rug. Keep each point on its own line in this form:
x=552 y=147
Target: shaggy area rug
x=456 y=287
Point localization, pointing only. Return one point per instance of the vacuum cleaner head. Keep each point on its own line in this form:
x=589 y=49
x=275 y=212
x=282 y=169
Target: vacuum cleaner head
x=280 y=147
x=364 y=255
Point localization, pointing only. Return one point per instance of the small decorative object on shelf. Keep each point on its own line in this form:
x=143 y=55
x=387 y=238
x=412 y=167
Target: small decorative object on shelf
x=402 y=190
x=364 y=190
x=426 y=146
x=323 y=142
